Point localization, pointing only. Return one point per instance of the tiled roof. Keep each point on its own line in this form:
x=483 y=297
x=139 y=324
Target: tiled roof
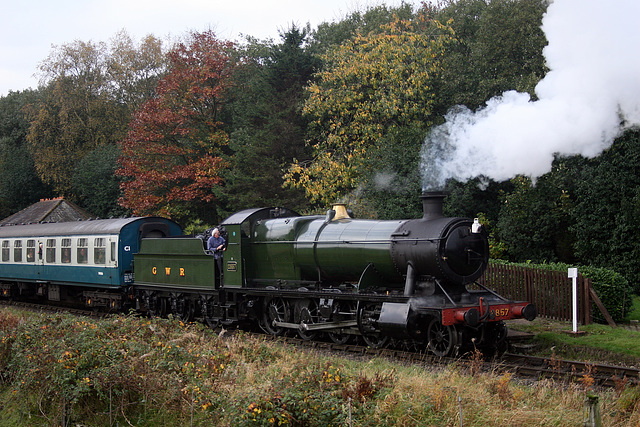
x=47 y=210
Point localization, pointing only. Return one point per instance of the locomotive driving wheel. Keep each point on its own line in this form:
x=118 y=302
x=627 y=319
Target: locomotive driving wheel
x=274 y=310
x=306 y=312
x=182 y=307
x=368 y=315
x=442 y=339
x=343 y=311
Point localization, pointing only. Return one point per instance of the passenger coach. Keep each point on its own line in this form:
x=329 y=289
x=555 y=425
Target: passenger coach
x=63 y=261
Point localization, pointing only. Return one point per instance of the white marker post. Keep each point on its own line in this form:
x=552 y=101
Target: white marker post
x=573 y=274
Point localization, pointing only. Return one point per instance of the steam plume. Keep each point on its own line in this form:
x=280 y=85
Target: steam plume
x=590 y=95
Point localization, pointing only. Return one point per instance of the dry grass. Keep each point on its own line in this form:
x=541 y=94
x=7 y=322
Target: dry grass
x=245 y=381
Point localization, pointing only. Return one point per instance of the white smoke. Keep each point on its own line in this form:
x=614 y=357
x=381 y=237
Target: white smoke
x=590 y=95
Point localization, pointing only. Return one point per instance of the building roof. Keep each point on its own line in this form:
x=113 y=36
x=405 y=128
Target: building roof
x=47 y=210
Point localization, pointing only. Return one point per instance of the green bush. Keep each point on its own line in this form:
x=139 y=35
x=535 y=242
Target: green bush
x=614 y=291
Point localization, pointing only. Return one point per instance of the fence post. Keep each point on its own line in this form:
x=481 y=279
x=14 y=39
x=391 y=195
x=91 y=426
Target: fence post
x=528 y=285
x=586 y=301
x=573 y=275
x=592 y=416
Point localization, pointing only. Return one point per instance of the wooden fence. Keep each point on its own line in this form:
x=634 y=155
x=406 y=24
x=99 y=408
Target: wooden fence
x=550 y=291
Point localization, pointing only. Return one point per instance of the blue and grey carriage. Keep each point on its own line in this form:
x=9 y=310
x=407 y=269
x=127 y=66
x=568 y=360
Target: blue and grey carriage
x=71 y=261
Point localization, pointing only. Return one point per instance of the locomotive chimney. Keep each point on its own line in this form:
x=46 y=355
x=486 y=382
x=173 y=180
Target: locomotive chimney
x=432 y=204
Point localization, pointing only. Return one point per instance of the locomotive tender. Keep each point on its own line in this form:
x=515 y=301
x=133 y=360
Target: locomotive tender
x=409 y=281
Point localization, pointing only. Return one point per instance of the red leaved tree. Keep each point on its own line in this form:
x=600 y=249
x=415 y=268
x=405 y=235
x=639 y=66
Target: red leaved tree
x=172 y=156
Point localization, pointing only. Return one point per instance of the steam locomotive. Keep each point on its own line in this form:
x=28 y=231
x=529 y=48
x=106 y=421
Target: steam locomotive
x=386 y=282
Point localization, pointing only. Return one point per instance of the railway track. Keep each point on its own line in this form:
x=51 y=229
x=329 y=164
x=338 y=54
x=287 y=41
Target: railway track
x=521 y=365
x=604 y=375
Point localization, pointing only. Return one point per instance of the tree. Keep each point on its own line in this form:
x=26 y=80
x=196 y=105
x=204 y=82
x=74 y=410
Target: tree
x=606 y=218
x=95 y=185
x=499 y=48
x=368 y=86
x=534 y=220
x=90 y=90
x=268 y=128
x=371 y=20
x=20 y=185
x=172 y=156
x=134 y=70
x=68 y=124
x=391 y=186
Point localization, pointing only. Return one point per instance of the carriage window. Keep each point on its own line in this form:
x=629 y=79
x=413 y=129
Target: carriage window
x=5 y=251
x=99 y=251
x=82 y=251
x=17 y=251
x=51 y=251
x=65 y=251
x=31 y=250
x=113 y=251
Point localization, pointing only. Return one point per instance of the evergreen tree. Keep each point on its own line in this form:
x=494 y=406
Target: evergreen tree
x=20 y=185
x=268 y=128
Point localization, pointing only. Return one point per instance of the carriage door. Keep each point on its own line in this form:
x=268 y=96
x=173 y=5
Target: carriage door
x=39 y=253
x=112 y=259
x=38 y=257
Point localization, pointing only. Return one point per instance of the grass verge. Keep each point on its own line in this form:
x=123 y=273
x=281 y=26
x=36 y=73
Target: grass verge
x=595 y=343
x=65 y=370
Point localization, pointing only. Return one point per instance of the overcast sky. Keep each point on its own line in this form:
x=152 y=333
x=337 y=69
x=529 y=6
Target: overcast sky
x=28 y=28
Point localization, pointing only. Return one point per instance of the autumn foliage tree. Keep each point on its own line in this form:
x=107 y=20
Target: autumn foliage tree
x=172 y=156
x=369 y=86
x=88 y=93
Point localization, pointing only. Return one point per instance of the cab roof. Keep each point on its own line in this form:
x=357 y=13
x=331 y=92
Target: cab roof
x=258 y=214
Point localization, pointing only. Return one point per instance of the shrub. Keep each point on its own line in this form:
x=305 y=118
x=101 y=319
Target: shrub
x=614 y=291
x=311 y=395
x=124 y=366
